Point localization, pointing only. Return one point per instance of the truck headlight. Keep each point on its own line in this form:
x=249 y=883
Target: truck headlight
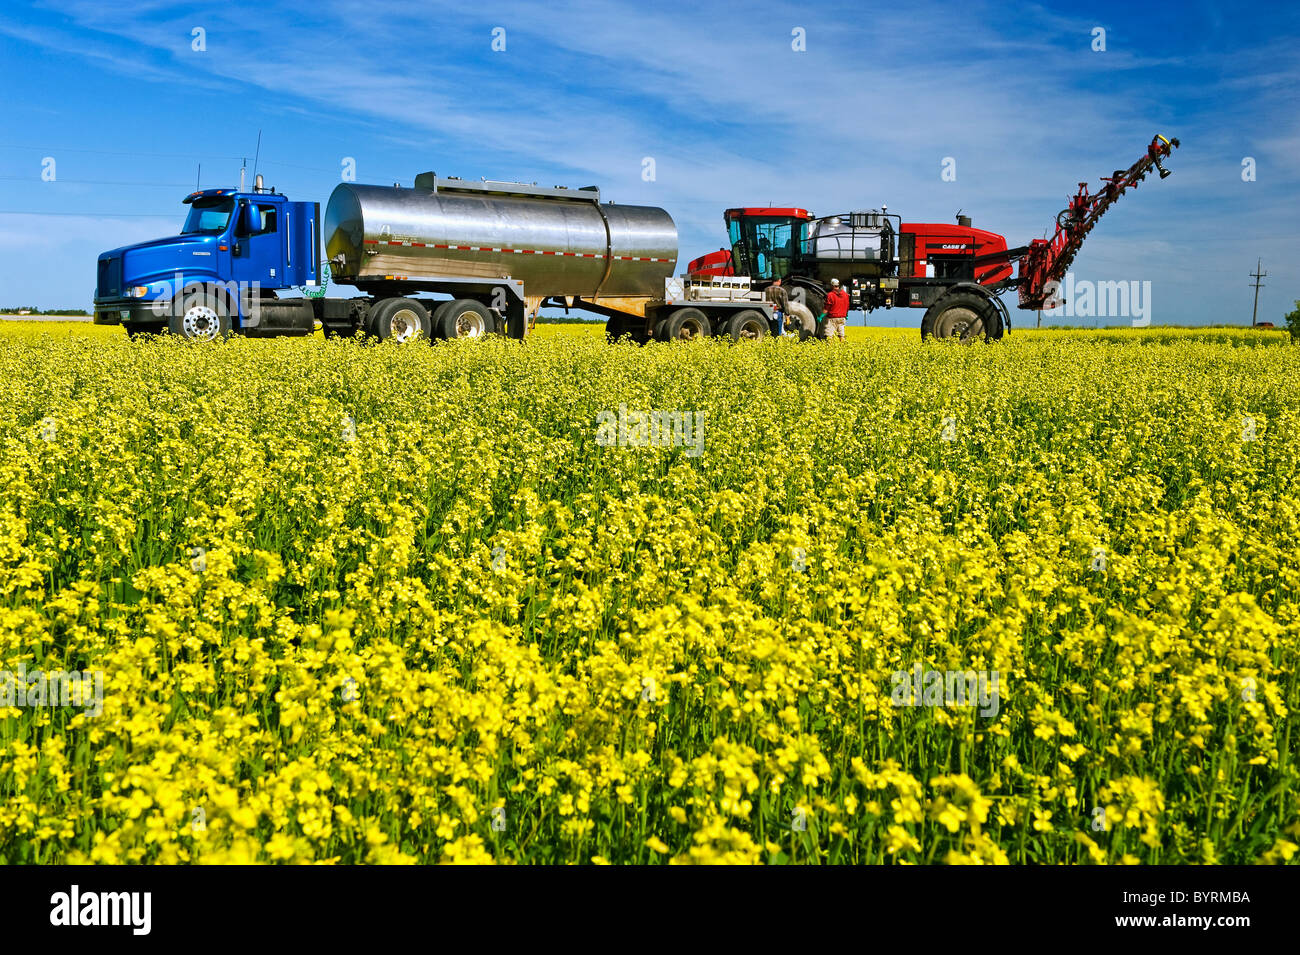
x=138 y=291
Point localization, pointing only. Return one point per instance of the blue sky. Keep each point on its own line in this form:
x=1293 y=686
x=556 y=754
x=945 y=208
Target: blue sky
x=714 y=93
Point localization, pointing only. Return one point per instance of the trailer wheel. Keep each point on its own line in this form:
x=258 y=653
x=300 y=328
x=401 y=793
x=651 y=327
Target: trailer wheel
x=747 y=325
x=465 y=318
x=200 y=316
x=436 y=312
x=685 y=324
x=400 y=320
x=615 y=328
x=963 y=317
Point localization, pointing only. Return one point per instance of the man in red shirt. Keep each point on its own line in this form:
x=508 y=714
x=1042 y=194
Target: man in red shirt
x=837 y=310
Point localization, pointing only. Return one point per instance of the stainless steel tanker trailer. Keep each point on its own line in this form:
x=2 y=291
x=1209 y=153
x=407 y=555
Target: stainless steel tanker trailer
x=498 y=251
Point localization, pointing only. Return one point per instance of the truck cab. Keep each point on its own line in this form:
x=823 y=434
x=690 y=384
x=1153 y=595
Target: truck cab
x=235 y=250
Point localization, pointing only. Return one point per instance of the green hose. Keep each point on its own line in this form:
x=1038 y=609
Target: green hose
x=309 y=291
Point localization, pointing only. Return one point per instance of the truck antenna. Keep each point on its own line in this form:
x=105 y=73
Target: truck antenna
x=198 y=176
x=242 y=163
x=257 y=154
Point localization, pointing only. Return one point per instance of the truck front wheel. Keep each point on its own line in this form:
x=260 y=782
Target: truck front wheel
x=200 y=317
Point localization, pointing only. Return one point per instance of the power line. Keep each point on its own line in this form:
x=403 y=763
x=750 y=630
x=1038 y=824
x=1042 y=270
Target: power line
x=48 y=150
x=108 y=152
x=106 y=215
x=94 y=182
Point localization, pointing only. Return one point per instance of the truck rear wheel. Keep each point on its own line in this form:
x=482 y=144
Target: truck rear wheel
x=465 y=318
x=747 y=325
x=964 y=317
x=685 y=324
x=399 y=320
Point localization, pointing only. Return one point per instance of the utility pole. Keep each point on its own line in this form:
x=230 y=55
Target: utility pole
x=1257 y=275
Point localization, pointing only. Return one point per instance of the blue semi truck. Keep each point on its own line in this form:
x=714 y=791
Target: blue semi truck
x=447 y=258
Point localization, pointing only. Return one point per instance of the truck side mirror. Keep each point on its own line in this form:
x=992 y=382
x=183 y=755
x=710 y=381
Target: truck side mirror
x=250 y=219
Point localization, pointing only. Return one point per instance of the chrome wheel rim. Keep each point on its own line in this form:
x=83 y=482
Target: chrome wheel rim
x=469 y=324
x=201 y=323
x=404 y=325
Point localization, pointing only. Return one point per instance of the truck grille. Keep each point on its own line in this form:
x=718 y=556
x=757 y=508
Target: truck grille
x=110 y=278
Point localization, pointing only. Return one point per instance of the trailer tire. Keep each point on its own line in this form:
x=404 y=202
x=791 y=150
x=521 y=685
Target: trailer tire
x=436 y=312
x=684 y=324
x=201 y=316
x=400 y=320
x=747 y=325
x=465 y=318
x=963 y=316
x=615 y=328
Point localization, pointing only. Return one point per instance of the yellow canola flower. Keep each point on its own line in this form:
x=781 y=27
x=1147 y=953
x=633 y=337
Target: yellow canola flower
x=358 y=603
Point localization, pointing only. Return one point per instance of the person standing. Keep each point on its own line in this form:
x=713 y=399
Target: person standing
x=837 y=310
x=780 y=300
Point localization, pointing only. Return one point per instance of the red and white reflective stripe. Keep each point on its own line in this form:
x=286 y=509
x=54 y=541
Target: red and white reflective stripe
x=483 y=248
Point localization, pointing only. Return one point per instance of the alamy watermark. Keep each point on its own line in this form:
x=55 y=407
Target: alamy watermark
x=129 y=909
x=57 y=688
x=656 y=429
x=1087 y=299
x=921 y=687
x=178 y=297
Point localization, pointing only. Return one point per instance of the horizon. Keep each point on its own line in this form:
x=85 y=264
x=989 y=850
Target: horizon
x=692 y=120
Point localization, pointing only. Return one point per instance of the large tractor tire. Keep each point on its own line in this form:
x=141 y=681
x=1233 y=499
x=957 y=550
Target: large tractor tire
x=815 y=301
x=963 y=317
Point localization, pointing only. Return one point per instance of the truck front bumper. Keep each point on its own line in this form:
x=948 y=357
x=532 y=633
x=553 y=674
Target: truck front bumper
x=127 y=311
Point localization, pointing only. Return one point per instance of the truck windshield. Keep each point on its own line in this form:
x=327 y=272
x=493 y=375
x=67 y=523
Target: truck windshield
x=208 y=215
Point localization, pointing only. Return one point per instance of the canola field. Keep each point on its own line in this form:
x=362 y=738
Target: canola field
x=342 y=603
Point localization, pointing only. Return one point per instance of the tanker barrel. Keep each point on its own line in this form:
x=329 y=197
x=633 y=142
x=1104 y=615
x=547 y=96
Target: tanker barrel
x=556 y=241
